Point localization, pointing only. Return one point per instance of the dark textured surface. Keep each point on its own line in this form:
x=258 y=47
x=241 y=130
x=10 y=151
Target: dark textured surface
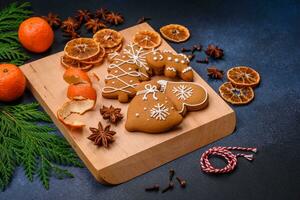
x=261 y=34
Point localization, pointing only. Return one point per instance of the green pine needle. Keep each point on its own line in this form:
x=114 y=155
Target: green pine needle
x=25 y=143
x=10 y=19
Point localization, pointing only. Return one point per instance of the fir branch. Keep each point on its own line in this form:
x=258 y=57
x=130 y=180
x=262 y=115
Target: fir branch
x=25 y=143
x=10 y=19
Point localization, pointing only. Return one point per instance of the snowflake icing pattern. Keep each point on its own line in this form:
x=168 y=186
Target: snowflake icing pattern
x=159 y=112
x=182 y=92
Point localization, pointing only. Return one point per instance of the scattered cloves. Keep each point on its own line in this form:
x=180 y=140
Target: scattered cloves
x=204 y=61
x=196 y=48
x=181 y=182
x=185 y=50
x=152 y=188
x=170 y=187
x=171 y=174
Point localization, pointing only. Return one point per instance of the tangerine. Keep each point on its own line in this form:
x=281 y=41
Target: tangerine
x=35 y=34
x=12 y=82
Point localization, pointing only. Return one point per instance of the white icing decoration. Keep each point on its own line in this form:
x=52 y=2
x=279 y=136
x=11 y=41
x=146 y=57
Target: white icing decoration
x=131 y=81
x=167 y=51
x=163 y=85
x=155 y=58
x=135 y=56
x=176 y=60
x=113 y=55
x=159 y=112
x=186 y=69
x=149 y=89
x=169 y=58
x=172 y=108
x=161 y=57
x=145 y=108
x=171 y=69
x=182 y=61
x=129 y=68
x=182 y=92
x=184 y=57
x=137 y=114
x=116 y=71
x=113 y=82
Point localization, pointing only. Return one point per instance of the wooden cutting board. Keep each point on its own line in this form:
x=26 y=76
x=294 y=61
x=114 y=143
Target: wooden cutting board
x=133 y=153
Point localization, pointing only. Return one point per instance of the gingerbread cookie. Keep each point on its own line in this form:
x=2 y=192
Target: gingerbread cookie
x=126 y=70
x=170 y=64
x=186 y=96
x=151 y=111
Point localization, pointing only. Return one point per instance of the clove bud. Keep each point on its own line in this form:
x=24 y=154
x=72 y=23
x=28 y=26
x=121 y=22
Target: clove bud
x=181 y=182
x=171 y=174
x=170 y=187
x=152 y=188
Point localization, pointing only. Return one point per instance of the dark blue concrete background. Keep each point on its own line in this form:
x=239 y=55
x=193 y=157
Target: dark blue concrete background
x=261 y=34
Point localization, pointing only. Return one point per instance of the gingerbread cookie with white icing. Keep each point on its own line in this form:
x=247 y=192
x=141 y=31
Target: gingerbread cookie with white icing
x=170 y=64
x=151 y=111
x=186 y=96
x=125 y=72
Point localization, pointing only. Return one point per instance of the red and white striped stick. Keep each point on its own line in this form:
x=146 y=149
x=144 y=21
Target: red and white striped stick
x=227 y=155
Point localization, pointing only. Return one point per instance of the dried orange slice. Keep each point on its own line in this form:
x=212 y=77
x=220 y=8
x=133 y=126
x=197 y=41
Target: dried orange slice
x=81 y=48
x=114 y=49
x=243 y=76
x=147 y=39
x=69 y=62
x=81 y=91
x=108 y=38
x=97 y=59
x=236 y=95
x=175 y=32
x=76 y=76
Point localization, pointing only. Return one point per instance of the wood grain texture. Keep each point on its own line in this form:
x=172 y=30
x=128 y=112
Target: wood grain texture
x=132 y=154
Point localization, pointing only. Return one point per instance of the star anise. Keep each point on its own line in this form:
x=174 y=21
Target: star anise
x=111 y=113
x=72 y=34
x=69 y=24
x=102 y=136
x=83 y=16
x=94 y=25
x=215 y=73
x=143 y=19
x=214 y=51
x=114 y=18
x=101 y=13
x=52 y=19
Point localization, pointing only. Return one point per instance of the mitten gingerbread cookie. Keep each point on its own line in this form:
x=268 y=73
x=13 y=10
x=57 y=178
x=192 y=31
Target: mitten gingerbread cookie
x=170 y=64
x=126 y=70
x=186 y=96
x=151 y=111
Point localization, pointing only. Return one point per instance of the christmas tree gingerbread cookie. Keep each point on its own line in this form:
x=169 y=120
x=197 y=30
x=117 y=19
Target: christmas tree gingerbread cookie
x=170 y=64
x=151 y=111
x=125 y=72
x=186 y=96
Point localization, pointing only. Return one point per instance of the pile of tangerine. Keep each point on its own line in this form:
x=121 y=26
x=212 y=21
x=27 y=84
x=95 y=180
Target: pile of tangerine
x=239 y=89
